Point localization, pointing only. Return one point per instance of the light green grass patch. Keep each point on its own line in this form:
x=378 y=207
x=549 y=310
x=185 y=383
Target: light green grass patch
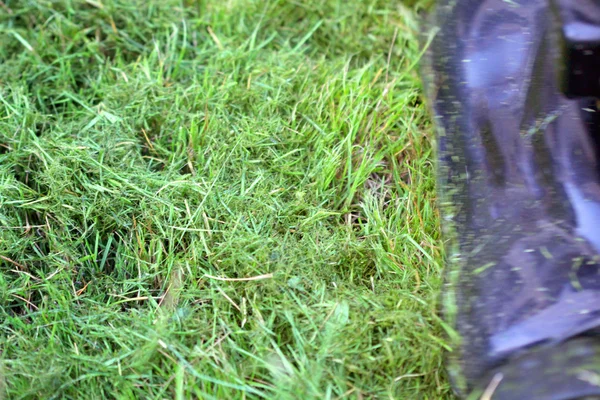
x=216 y=199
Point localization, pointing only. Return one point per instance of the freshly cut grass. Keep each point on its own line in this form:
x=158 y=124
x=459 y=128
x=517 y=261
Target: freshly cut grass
x=216 y=199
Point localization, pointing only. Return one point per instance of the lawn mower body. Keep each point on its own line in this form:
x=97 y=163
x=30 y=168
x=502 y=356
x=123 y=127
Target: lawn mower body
x=514 y=86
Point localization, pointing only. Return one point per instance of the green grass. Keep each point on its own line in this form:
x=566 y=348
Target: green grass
x=216 y=199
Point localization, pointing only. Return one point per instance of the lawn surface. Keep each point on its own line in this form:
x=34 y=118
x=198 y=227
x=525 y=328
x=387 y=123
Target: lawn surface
x=216 y=199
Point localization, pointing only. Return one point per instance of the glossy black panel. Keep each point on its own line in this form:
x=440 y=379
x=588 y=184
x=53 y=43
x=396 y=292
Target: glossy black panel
x=518 y=164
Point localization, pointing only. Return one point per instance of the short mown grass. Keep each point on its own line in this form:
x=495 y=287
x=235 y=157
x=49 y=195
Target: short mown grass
x=216 y=199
